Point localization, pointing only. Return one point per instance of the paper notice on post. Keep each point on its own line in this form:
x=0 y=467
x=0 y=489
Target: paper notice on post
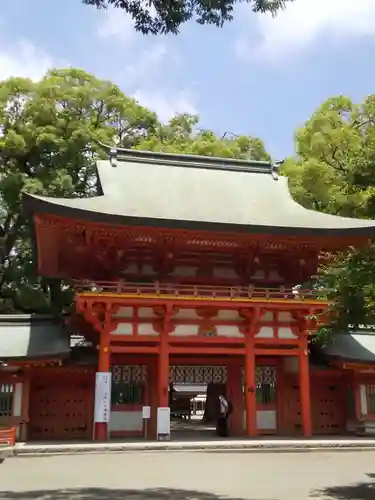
x=102 y=396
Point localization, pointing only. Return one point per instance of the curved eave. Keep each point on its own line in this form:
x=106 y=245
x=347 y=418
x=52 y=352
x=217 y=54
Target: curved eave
x=84 y=209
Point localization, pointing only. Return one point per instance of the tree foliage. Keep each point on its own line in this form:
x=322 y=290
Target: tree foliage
x=50 y=136
x=180 y=135
x=160 y=16
x=333 y=172
x=48 y=142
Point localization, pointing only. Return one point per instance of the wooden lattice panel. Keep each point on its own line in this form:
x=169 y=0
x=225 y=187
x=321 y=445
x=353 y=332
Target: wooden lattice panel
x=198 y=374
x=129 y=374
x=263 y=375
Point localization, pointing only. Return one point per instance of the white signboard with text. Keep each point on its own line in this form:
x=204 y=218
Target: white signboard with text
x=146 y=412
x=102 y=397
x=164 y=423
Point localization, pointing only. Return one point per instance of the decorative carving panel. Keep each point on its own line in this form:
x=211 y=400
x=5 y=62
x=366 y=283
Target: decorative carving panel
x=129 y=374
x=198 y=374
x=265 y=375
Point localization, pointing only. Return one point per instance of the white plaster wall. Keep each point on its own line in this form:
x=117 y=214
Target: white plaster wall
x=258 y=275
x=127 y=421
x=266 y=316
x=275 y=276
x=285 y=332
x=147 y=329
x=124 y=312
x=186 y=314
x=146 y=312
x=148 y=269
x=17 y=399
x=185 y=331
x=265 y=420
x=265 y=332
x=123 y=329
x=131 y=269
x=224 y=272
x=285 y=316
x=228 y=331
x=185 y=271
x=228 y=315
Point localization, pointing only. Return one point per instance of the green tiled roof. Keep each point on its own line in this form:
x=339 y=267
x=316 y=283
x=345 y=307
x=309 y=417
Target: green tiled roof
x=190 y=192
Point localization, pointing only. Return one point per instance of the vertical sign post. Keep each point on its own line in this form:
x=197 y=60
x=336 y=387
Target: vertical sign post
x=102 y=397
x=146 y=415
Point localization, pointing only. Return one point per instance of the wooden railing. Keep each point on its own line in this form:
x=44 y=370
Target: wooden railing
x=8 y=436
x=197 y=291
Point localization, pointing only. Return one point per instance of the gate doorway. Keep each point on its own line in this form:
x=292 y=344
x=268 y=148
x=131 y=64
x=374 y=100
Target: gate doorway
x=193 y=399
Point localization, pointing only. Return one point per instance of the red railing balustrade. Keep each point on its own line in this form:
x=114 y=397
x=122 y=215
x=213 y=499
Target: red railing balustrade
x=197 y=291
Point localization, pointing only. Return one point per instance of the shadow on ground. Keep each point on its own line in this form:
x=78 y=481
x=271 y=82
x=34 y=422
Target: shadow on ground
x=355 y=491
x=115 y=494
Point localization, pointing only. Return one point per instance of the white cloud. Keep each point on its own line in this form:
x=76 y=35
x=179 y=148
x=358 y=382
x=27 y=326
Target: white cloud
x=23 y=59
x=146 y=66
x=304 y=21
x=166 y=104
x=116 y=25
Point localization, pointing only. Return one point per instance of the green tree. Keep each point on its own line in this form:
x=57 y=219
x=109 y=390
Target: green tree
x=333 y=172
x=50 y=131
x=180 y=135
x=157 y=17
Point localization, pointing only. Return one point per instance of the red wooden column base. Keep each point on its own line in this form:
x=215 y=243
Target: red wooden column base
x=101 y=431
x=305 y=396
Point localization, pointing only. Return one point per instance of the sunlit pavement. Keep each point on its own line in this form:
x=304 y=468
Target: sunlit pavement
x=191 y=476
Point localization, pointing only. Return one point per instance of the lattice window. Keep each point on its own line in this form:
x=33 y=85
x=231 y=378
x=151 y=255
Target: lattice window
x=265 y=377
x=6 y=400
x=198 y=374
x=370 y=389
x=128 y=384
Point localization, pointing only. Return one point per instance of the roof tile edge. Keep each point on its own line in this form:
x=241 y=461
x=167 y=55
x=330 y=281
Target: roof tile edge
x=118 y=155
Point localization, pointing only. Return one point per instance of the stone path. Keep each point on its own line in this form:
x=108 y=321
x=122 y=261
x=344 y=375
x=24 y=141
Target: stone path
x=280 y=445
x=191 y=476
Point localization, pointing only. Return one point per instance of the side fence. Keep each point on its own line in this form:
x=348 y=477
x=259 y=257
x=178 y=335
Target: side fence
x=7 y=437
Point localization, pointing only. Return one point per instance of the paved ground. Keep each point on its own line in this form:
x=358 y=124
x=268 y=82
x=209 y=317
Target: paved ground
x=191 y=476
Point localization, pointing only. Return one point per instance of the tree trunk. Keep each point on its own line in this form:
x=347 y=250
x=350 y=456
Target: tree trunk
x=212 y=396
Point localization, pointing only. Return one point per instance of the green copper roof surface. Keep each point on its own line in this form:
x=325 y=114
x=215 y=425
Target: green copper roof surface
x=191 y=192
x=359 y=346
x=28 y=336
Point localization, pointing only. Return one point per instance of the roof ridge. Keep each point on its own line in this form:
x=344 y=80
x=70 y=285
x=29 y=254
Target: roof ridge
x=117 y=155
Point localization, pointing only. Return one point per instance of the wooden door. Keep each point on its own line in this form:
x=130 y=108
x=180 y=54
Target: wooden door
x=328 y=404
x=61 y=407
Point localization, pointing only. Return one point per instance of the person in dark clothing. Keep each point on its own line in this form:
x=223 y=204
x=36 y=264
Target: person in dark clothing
x=224 y=410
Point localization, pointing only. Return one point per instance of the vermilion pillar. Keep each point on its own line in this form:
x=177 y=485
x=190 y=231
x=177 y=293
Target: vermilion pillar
x=305 y=397
x=163 y=366
x=163 y=373
x=250 y=384
x=101 y=428
x=234 y=393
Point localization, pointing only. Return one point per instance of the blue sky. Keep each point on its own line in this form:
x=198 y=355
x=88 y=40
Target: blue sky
x=257 y=76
